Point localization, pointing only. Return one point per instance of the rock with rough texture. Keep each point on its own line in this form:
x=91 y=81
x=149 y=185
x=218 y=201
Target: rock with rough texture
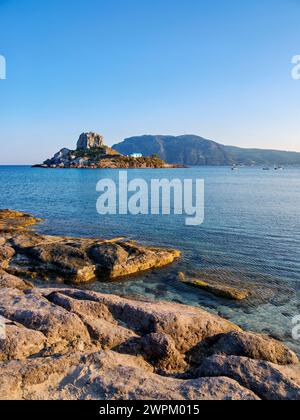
x=254 y=346
x=12 y=282
x=121 y=259
x=11 y=221
x=68 y=261
x=19 y=342
x=186 y=325
x=77 y=263
x=64 y=330
x=107 y=376
x=161 y=350
x=88 y=141
x=6 y=254
x=63 y=155
x=263 y=378
x=102 y=327
x=143 y=347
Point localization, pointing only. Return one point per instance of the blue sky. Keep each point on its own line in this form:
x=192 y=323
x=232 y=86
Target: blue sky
x=217 y=68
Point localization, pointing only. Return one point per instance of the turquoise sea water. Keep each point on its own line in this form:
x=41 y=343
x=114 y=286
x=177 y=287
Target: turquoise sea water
x=251 y=235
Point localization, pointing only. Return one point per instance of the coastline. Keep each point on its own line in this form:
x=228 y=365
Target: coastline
x=176 y=351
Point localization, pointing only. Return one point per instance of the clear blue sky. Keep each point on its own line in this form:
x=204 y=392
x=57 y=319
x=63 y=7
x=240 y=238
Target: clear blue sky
x=217 y=68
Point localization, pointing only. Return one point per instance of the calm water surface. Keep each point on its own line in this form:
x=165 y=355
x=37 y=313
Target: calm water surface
x=251 y=235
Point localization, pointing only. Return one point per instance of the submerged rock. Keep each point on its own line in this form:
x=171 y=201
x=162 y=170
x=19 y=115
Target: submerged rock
x=219 y=290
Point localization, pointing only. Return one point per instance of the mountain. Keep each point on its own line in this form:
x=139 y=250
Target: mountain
x=194 y=150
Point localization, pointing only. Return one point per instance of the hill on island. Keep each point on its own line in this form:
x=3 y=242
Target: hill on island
x=194 y=150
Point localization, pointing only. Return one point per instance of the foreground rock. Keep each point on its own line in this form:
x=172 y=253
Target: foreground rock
x=254 y=346
x=107 y=376
x=74 y=344
x=12 y=282
x=264 y=379
x=19 y=342
x=31 y=256
x=187 y=326
x=64 y=330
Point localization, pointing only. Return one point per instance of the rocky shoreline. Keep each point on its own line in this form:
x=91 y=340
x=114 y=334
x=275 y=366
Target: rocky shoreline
x=65 y=343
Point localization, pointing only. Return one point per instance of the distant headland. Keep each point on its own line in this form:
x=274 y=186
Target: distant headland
x=92 y=153
x=193 y=150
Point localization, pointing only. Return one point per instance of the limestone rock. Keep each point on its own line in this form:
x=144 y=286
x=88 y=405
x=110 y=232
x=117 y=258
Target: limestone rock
x=96 y=310
x=6 y=254
x=12 y=282
x=107 y=376
x=63 y=154
x=254 y=346
x=68 y=261
x=103 y=329
x=20 y=343
x=63 y=330
x=90 y=141
x=15 y=221
x=263 y=378
x=161 y=350
x=11 y=214
x=186 y=325
x=83 y=261
x=127 y=258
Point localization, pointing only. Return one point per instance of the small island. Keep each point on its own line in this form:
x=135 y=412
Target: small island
x=92 y=153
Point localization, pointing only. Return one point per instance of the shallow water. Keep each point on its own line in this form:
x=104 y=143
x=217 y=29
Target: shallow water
x=251 y=235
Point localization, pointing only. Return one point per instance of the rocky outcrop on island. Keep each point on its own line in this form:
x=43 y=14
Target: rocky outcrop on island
x=66 y=343
x=88 y=141
x=92 y=153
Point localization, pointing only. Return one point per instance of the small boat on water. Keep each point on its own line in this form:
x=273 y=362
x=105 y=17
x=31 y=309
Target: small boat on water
x=279 y=168
x=266 y=168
